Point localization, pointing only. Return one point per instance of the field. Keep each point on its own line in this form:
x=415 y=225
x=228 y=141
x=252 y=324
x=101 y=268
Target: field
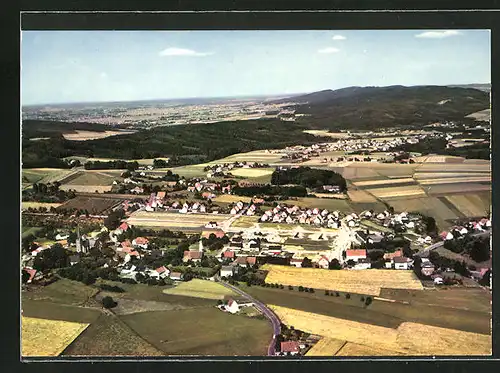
x=255 y=156
x=86 y=188
x=469 y=204
x=109 y=336
x=245 y=222
x=326 y=347
x=398 y=192
x=91 y=178
x=200 y=289
x=35 y=205
x=229 y=198
x=324 y=133
x=408 y=339
x=151 y=219
x=252 y=172
x=44 y=175
x=94 y=205
x=360 y=196
x=79 y=135
x=376 y=183
x=42 y=337
x=204 y=331
x=330 y=204
x=363 y=282
x=354 y=349
x=62 y=291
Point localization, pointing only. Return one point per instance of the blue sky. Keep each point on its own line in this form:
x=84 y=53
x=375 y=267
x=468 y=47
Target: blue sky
x=81 y=66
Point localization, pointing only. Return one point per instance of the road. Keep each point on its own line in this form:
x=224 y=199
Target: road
x=441 y=243
x=267 y=312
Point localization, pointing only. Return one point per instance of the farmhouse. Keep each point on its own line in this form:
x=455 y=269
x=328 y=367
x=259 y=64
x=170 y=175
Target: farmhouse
x=232 y=306
x=355 y=254
x=401 y=262
x=228 y=254
x=141 y=242
x=177 y=276
x=226 y=271
x=195 y=256
x=161 y=272
x=290 y=347
x=323 y=262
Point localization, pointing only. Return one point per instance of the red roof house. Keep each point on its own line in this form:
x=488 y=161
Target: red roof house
x=355 y=254
x=31 y=272
x=218 y=233
x=192 y=255
x=291 y=347
x=141 y=241
x=228 y=254
x=123 y=226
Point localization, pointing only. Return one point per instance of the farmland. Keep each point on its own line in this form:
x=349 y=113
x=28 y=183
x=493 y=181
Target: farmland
x=44 y=175
x=79 y=135
x=200 y=289
x=176 y=220
x=362 y=282
x=62 y=291
x=354 y=349
x=245 y=222
x=91 y=178
x=228 y=198
x=408 y=338
x=35 y=205
x=204 y=331
x=252 y=172
x=326 y=347
x=109 y=336
x=42 y=337
x=94 y=205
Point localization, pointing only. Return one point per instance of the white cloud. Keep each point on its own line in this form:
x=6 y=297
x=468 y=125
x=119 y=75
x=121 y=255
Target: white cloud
x=103 y=75
x=329 y=50
x=438 y=34
x=338 y=37
x=182 y=52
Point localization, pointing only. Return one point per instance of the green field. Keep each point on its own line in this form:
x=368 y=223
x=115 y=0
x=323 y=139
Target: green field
x=56 y=311
x=63 y=291
x=26 y=231
x=205 y=331
x=109 y=336
x=200 y=289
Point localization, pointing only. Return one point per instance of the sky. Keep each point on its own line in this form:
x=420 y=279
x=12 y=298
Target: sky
x=91 y=66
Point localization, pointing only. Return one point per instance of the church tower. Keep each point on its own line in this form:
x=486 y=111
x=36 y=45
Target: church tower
x=201 y=245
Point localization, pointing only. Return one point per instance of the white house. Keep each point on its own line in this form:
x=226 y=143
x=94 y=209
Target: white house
x=323 y=262
x=401 y=262
x=232 y=306
x=449 y=236
x=62 y=236
x=226 y=271
x=161 y=272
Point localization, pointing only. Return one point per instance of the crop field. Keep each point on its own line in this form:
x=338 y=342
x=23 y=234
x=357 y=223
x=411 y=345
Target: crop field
x=44 y=175
x=229 y=198
x=325 y=133
x=36 y=205
x=330 y=204
x=455 y=167
x=63 y=291
x=353 y=172
x=326 y=347
x=252 y=172
x=254 y=156
x=91 y=178
x=354 y=349
x=166 y=219
x=245 y=222
x=420 y=176
x=451 y=180
x=376 y=183
x=40 y=337
x=470 y=204
x=408 y=339
x=86 y=188
x=200 y=289
x=109 y=336
x=457 y=188
x=397 y=192
x=94 y=205
x=368 y=281
x=204 y=331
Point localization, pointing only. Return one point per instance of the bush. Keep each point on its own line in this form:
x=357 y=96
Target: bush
x=290 y=287
x=108 y=302
x=368 y=301
x=337 y=294
x=301 y=288
x=311 y=290
x=327 y=292
x=362 y=299
x=348 y=296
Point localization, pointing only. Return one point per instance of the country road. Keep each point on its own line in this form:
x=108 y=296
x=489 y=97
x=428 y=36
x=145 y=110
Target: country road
x=267 y=312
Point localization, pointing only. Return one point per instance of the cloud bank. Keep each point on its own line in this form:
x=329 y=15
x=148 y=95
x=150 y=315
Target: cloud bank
x=175 y=52
x=438 y=34
x=338 y=37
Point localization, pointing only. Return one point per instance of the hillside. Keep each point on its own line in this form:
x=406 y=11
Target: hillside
x=394 y=106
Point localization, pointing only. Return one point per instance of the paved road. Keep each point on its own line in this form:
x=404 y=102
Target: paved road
x=267 y=312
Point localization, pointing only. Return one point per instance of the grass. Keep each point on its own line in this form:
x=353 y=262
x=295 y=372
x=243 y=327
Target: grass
x=109 y=336
x=372 y=225
x=55 y=311
x=26 y=231
x=92 y=178
x=166 y=219
x=207 y=332
x=245 y=222
x=63 y=291
x=330 y=204
x=200 y=289
x=42 y=337
x=368 y=281
x=95 y=204
x=229 y=198
x=398 y=192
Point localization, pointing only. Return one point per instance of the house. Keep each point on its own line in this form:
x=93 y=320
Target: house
x=323 y=262
x=33 y=273
x=123 y=227
x=176 y=276
x=141 y=242
x=228 y=254
x=226 y=271
x=427 y=268
x=245 y=261
x=438 y=280
x=391 y=256
x=296 y=262
x=73 y=259
x=232 y=306
x=290 y=347
x=160 y=272
x=355 y=254
x=363 y=264
x=331 y=188
x=62 y=237
x=195 y=256
x=161 y=195
x=401 y=262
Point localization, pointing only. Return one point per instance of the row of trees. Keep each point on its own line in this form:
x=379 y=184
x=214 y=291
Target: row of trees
x=50 y=192
x=478 y=248
x=116 y=165
x=308 y=177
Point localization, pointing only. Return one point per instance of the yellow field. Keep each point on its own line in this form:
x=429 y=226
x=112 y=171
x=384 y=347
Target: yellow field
x=326 y=347
x=368 y=281
x=382 y=182
x=159 y=219
x=408 y=339
x=36 y=205
x=200 y=289
x=245 y=222
x=360 y=196
x=354 y=349
x=228 y=198
x=93 y=135
x=442 y=175
x=252 y=172
x=462 y=179
x=254 y=156
x=469 y=205
x=398 y=192
x=41 y=337
x=86 y=188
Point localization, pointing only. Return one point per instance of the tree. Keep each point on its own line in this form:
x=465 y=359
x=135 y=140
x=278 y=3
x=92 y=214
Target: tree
x=311 y=290
x=337 y=294
x=301 y=288
x=334 y=264
x=348 y=296
x=485 y=280
x=368 y=301
x=351 y=263
x=327 y=292
x=108 y=302
x=290 y=287
x=480 y=250
x=25 y=276
x=306 y=263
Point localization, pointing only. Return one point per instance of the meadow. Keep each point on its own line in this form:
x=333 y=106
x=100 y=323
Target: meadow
x=200 y=289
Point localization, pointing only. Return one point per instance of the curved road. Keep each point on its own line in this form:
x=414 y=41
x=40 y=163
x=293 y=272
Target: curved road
x=267 y=312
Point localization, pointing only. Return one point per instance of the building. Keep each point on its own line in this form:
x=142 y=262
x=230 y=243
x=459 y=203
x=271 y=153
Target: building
x=160 y=272
x=195 y=256
x=427 y=268
x=232 y=306
x=177 y=276
x=217 y=232
x=141 y=242
x=355 y=254
x=323 y=262
x=401 y=262
x=226 y=271
x=290 y=347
